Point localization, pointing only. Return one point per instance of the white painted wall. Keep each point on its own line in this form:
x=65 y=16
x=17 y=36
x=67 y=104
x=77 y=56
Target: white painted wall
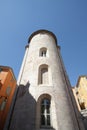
x=63 y=116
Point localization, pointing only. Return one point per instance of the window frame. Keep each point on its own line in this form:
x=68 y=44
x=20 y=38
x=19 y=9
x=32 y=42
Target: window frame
x=45 y=112
x=3 y=104
x=43 y=52
x=40 y=74
x=38 y=111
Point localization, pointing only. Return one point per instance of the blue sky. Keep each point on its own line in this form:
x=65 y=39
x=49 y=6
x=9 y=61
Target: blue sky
x=67 y=19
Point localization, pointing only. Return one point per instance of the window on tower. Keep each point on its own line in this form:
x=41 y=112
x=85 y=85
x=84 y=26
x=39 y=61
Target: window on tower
x=43 y=52
x=45 y=113
x=43 y=74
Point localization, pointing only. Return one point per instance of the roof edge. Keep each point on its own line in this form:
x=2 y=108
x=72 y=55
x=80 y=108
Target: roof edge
x=43 y=32
x=8 y=68
x=79 y=79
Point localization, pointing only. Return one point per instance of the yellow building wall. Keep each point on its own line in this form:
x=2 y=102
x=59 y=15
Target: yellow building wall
x=76 y=99
x=81 y=92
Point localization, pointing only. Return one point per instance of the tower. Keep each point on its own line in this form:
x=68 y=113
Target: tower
x=44 y=100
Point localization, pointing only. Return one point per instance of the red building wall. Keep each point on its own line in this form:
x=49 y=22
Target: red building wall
x=7 y=89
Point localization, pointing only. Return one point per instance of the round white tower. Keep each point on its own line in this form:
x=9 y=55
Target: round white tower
x=43 y=68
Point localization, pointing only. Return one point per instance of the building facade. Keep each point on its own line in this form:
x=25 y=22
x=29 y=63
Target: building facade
x=44 y=99
x=7 y=88
x=80 y=92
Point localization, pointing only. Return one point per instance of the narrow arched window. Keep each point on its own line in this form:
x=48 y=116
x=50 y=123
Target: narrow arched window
x=43 y=52
x=43 y=74
x=45 y=113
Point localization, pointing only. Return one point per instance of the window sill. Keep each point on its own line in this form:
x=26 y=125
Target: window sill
x=44 y=85
x=46 y=128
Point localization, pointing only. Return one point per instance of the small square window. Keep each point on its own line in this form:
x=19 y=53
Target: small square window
x=43 y=52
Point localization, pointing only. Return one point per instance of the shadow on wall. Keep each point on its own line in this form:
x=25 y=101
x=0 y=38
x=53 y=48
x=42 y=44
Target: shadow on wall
x=23 y=116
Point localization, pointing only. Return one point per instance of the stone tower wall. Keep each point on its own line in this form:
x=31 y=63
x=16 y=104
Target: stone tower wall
x=62 y=113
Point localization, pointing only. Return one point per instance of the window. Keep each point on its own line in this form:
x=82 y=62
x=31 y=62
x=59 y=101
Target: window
x=77 y=92
x=3 y=104
x=82 y=105
x=45 y=113
x=43 y=52
x=43 y=74
x=1 y=70
x=8 y=90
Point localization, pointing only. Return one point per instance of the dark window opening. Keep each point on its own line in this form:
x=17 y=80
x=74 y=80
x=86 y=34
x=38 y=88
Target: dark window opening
x=1 y=69
x=43 y=52
x=82 y=105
